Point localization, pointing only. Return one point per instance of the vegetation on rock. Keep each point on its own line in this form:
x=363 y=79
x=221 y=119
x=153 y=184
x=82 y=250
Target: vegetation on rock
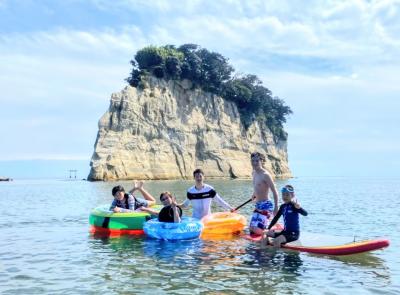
x=211 y=72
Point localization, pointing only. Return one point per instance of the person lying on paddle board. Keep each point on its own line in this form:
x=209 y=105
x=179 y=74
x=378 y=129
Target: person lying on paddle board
x=200 y=196
x=262 y=184
x=171 y=212
x=124 y=203
x=290 y=210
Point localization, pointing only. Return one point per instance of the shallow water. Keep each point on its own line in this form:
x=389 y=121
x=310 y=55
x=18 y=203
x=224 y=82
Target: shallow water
x=45 y=247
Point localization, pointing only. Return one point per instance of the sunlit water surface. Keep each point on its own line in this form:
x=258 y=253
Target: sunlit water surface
x=45 y=247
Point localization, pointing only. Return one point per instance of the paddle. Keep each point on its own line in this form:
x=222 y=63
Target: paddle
x=240 y=206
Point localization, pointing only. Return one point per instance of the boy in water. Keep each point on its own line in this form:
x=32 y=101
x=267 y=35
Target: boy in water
x=200 y=196
x=124 y=203
x=262 y=183
x=290 y=210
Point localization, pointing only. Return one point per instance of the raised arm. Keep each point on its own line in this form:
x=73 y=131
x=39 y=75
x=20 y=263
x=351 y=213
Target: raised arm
x=302 y=212
x=299 y=209
x=272 y=186
x=174 y=207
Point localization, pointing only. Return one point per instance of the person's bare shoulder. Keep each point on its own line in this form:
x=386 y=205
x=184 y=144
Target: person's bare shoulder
x=267 y=176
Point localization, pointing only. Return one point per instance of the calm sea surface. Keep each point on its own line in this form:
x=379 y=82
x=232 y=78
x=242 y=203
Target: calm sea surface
x=45 y=247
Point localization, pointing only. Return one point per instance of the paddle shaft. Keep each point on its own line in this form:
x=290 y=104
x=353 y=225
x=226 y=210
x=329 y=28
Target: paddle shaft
x=240 y=206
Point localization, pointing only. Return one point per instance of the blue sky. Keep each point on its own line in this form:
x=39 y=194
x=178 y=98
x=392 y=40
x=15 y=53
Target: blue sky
x=336 y=63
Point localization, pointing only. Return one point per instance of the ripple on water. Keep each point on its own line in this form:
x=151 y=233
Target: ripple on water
x=49 y=250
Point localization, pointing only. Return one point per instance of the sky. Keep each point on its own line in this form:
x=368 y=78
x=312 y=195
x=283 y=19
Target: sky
x=335 y=63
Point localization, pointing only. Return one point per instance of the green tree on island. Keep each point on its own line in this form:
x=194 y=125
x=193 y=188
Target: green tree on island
x=211 y=72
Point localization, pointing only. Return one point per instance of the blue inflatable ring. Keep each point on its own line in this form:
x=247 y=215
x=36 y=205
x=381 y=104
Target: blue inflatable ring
x=188 y=228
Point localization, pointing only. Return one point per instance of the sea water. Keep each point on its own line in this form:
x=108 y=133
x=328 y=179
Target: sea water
x=45 y=246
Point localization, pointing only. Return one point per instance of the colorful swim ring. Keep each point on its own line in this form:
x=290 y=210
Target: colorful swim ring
x=188 y=228
x=223 y=223
x=105 y=222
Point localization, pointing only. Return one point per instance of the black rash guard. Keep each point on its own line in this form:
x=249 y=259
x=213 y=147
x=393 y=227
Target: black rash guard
x=290 y=217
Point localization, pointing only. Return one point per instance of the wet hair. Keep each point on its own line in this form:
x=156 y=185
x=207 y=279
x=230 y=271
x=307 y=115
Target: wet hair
x=165 y=193
x=259 y=155
x=197 y=171
x=116 y=189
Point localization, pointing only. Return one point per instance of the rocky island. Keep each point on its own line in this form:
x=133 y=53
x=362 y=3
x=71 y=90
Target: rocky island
x=169 y=121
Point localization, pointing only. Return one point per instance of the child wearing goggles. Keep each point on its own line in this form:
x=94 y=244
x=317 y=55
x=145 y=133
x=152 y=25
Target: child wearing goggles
x=290 y=211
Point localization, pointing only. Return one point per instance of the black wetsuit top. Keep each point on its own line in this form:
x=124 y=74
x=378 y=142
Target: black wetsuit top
x=167 y=214
x=290 y=217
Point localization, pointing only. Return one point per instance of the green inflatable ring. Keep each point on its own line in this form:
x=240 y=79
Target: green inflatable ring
x=104 y=218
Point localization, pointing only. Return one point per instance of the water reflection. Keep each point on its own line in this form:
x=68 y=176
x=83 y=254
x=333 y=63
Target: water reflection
x=118 y=244
x=374 y=265
x=368 y=259
x=231 y=265
x=170 y=250
x=50 y=251
x=285 y=262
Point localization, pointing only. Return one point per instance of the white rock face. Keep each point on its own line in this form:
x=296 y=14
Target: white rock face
x=167 y=130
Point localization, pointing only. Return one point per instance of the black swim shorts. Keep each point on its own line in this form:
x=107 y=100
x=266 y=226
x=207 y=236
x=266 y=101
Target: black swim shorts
x=290 y=236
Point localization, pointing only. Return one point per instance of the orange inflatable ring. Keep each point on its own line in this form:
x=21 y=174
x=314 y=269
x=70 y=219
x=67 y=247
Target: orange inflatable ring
x=223 y=223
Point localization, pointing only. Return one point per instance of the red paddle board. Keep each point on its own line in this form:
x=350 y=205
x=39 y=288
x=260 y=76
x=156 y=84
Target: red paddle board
x=332 y=249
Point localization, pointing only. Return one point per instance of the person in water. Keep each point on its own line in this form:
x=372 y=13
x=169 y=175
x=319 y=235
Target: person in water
x=124 y=203
x=262 y=184
x=171 y=212
x=201 y=195
x=290 y=210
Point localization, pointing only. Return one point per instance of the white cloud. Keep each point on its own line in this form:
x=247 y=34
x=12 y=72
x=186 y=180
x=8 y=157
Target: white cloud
x=335 y=63
x=62 y=41
x=343 y=32
x=341 y=29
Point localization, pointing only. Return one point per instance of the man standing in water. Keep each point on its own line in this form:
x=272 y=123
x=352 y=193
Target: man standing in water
x=200 y=196
x=262 y=183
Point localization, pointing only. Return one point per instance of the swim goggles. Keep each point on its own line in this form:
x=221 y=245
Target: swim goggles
x=287 y=190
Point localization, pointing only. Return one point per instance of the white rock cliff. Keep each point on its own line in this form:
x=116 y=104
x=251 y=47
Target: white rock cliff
x=166 y=130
